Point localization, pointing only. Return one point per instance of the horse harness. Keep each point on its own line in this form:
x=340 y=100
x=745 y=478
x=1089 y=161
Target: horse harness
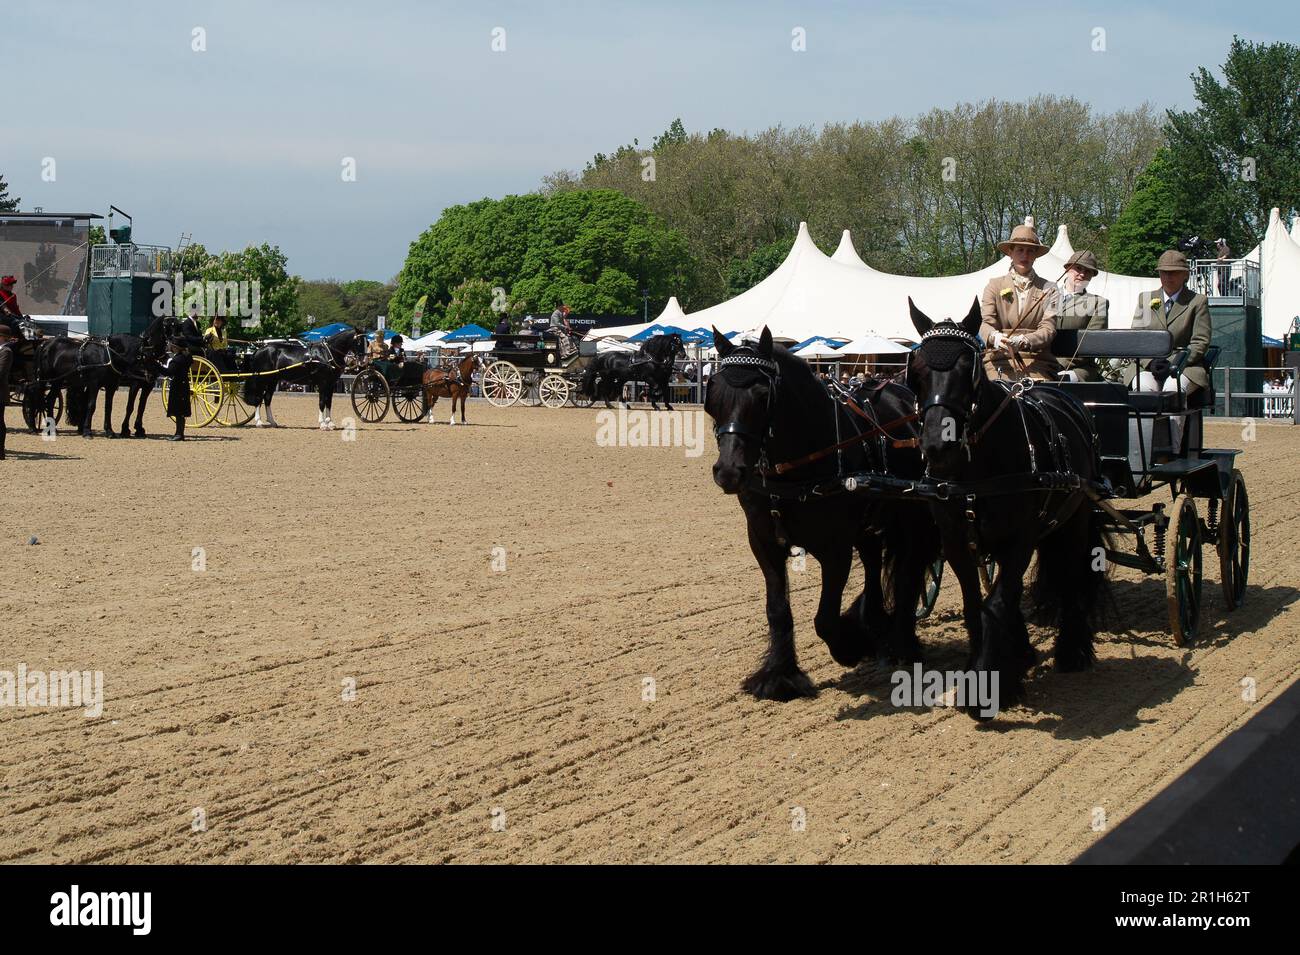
x=1031 y=405
x=765 y=470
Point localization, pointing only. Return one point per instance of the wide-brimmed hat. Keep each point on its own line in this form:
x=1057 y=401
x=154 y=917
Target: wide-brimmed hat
x=1172 y=261
x=1085 y=260
x=1022 y=235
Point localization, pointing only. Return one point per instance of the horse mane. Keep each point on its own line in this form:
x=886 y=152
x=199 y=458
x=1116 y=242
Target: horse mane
x=339 y=335
x=153 y=329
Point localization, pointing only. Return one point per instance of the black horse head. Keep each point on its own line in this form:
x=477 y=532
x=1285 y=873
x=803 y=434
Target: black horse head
x=945 y=373
x=346 y=348
x=664 y=348
x=741 y=399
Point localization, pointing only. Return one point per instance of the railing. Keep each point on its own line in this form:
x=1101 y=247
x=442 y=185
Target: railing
x=114 y=261
x=1225 y=279
x=1234 y=399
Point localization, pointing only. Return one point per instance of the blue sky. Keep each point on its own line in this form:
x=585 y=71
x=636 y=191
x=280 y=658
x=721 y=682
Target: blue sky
x=244 y=142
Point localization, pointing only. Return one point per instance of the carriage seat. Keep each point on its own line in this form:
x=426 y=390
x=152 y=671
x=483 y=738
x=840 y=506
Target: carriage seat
x=1139 y=344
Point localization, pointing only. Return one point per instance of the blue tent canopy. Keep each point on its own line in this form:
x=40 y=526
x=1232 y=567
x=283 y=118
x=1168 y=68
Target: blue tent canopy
x=654 y=330
x=698 y=336
x=833 y=342
x=1271 y=342
x=468 y=333
x=325 y=331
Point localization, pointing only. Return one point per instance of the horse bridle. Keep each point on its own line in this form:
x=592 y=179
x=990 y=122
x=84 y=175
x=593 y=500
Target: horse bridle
x=949 y=332
x=772 y=372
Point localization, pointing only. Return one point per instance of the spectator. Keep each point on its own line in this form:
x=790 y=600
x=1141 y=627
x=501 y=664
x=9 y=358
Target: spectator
x=1223 y=266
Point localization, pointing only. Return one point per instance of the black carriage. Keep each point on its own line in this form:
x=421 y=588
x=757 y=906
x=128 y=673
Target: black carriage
x=25 y=393
x=385 y=384
x=1139 y=456
x=543 y=368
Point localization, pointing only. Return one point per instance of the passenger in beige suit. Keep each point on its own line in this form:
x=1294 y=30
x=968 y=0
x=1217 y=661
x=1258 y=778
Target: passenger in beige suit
x=1019 y=312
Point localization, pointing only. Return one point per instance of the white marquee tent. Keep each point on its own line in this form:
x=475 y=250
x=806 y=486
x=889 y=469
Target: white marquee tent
x=1280 y=268
x=811 y=293
x=841 y=296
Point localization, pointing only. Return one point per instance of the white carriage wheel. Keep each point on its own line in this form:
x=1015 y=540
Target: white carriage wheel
x=554 y=391
x=502 y=384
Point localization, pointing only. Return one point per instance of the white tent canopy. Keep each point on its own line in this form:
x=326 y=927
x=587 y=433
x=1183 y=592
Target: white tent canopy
x=671 y=315
x=842 y=296
x=811 y=293
x=1280 y=272
x=873 y=345
x=818 y=350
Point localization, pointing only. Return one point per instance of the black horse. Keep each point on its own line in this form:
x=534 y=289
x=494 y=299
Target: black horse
x=652 y=363
x=1015 y=455
x=133 y=360
x=774 y=417
x=316 y=363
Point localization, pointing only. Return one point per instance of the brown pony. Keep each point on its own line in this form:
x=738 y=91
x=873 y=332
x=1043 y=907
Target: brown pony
x=453 y=383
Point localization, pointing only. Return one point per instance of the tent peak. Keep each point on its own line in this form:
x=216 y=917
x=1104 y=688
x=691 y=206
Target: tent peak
x=846 y=254
x=803 y=243
x=1062 y=247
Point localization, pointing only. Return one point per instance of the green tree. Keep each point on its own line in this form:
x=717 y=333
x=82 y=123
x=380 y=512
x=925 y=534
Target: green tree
x=321 y=303
x=365 y=300
x=1237 y=155
x=6 y=203
x=471 y=303
x=278 y=290
x=595 y=250
x=1153 y=219
x=487 y=239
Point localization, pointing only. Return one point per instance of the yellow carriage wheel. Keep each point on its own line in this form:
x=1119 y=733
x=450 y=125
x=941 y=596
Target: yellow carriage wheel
x=234 y=410
x=205 y=392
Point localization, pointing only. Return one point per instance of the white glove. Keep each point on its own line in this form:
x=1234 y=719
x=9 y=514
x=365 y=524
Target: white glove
x=1017 y=341
x=997 y=340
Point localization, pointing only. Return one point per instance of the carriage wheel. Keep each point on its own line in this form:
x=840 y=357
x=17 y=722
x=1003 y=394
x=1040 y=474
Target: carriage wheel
x=579 y=399
x=502 y=385
x=533 y=389
x=988 y=571
x=409 y=404
x=1234 y=542
x=930 y=589
x=554 y=391
x=205 y=392
x=21 y=397
x=234 y=411
x=1183 y=570
x=370 y=397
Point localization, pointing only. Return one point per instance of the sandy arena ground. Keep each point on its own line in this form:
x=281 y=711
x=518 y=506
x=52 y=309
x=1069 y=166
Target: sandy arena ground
x=515 y=697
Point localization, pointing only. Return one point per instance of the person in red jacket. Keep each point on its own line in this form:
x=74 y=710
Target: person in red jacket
x=10 y=313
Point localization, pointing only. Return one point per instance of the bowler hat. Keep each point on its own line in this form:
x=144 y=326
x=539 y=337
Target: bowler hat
x=1085 y=260
x=1022 y=235
x=1172 y=261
